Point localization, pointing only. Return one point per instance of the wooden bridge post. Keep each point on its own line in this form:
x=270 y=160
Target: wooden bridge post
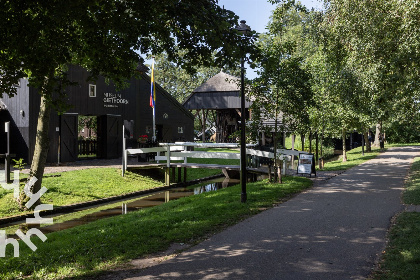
x=167 y=176
x=7 y=159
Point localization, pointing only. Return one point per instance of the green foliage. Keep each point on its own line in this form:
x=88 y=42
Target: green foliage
x=377 y=48
x=179 y=82
x=95 y=36
x=89 y=122
x=40 y=40
x=412 y=192
x=19 y=164
x=282 y=91
x=109 y=242
x=354 y=158
x=405 y=131
x=71 y=187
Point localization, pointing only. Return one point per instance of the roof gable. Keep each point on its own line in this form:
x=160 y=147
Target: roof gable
x=219 y=83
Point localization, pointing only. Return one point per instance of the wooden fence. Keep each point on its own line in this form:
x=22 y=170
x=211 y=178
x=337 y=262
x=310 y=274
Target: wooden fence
x=87 y=147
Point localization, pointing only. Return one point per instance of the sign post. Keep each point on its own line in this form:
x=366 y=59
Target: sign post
x=7 y=160
x=306 y=164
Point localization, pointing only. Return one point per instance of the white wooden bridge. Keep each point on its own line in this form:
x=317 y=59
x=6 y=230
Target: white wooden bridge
x=175 y=155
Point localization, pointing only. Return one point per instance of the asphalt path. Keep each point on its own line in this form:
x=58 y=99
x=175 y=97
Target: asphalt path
x=336 y=230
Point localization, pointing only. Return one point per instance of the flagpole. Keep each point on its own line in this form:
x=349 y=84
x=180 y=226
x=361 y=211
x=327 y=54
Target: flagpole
x=153 y=99
x=154 y=125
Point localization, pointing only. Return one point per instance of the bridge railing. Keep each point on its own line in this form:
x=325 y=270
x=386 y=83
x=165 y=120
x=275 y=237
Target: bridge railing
x=179 y=151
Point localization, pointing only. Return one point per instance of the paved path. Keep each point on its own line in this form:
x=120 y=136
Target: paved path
x=336 y=230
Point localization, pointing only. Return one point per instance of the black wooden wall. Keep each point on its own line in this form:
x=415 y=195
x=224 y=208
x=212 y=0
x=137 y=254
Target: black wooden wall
x=131 y=103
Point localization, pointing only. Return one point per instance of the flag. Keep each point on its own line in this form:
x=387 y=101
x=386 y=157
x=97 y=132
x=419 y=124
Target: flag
x=152 y=87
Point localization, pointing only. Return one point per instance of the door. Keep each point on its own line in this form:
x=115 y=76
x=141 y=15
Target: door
x=68 y=137
x=109 y=136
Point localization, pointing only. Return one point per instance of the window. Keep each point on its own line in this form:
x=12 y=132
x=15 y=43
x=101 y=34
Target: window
x=180 y=129
x=92 y=90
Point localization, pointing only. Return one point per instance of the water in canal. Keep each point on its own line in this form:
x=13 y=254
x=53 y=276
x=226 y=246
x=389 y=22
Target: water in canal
x=140 y=202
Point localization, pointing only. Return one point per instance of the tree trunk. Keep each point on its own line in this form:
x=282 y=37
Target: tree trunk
x=302 y=140
x=203 y=127
x=310 y=141
x=41 y=148
x=378 y=131
x=367 y=143
x=344 y=145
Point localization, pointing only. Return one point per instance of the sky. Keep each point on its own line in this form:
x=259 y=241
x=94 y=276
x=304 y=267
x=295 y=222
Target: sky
x=257 y=14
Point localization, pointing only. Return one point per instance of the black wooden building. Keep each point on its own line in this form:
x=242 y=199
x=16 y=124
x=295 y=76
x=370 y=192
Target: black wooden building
x=111 y=107
x=221 y=94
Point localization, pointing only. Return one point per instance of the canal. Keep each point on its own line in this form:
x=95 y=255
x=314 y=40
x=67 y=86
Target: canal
x=93 y=213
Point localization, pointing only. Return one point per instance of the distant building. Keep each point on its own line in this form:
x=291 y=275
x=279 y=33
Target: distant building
x=111 y=107
x=222 y=94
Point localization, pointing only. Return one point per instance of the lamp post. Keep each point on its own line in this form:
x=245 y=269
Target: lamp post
x=243 y=29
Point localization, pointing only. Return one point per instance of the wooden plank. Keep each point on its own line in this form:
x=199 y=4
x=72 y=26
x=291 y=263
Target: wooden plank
x=145 y=150
x=192 y=154
x=164 y=158
x=290 y=152
x=202 y=145
x=259 y=153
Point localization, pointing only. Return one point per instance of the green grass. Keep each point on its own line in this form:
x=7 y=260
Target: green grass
x=401 y=259
x=354 y=158
x=195 y=173
x=328 y=151
x=401 y=145
x=111 y=242
x=412 y=192
x=79 y=186
x=91 y=184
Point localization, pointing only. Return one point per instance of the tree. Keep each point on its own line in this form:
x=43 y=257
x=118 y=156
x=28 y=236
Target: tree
x=283 y=84
x=39 y=40
x=380 y=44
x=178 y=81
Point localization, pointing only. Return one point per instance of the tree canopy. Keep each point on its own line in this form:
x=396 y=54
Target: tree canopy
x=40 y=39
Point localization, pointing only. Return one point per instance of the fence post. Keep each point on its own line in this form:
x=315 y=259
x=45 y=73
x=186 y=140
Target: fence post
x=124 y=155
x=7 y=160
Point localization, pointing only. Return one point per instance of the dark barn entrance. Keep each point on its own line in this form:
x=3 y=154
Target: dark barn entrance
x=68 y=137
x=109 y=136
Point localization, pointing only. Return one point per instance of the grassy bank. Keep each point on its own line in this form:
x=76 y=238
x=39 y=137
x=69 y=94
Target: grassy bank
x=354 y=158
x=412 y=192
x=91 y=184
x=109 y=242
x=79 y=186
x=401 y=259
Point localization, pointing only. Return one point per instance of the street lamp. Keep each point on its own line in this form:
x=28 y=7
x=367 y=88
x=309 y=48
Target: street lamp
x=243 y=29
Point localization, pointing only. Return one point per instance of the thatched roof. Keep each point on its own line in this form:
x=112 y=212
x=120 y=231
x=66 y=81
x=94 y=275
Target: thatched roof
x=221 y=91
x=221 y=82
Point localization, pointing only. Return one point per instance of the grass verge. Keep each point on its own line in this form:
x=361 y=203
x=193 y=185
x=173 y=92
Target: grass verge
x=107 y=243
x=401 y=259
x=354 y=158
x=412 y=192
x=79 y=186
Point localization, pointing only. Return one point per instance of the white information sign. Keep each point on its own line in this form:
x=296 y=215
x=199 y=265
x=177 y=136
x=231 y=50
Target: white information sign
x=305 y=164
